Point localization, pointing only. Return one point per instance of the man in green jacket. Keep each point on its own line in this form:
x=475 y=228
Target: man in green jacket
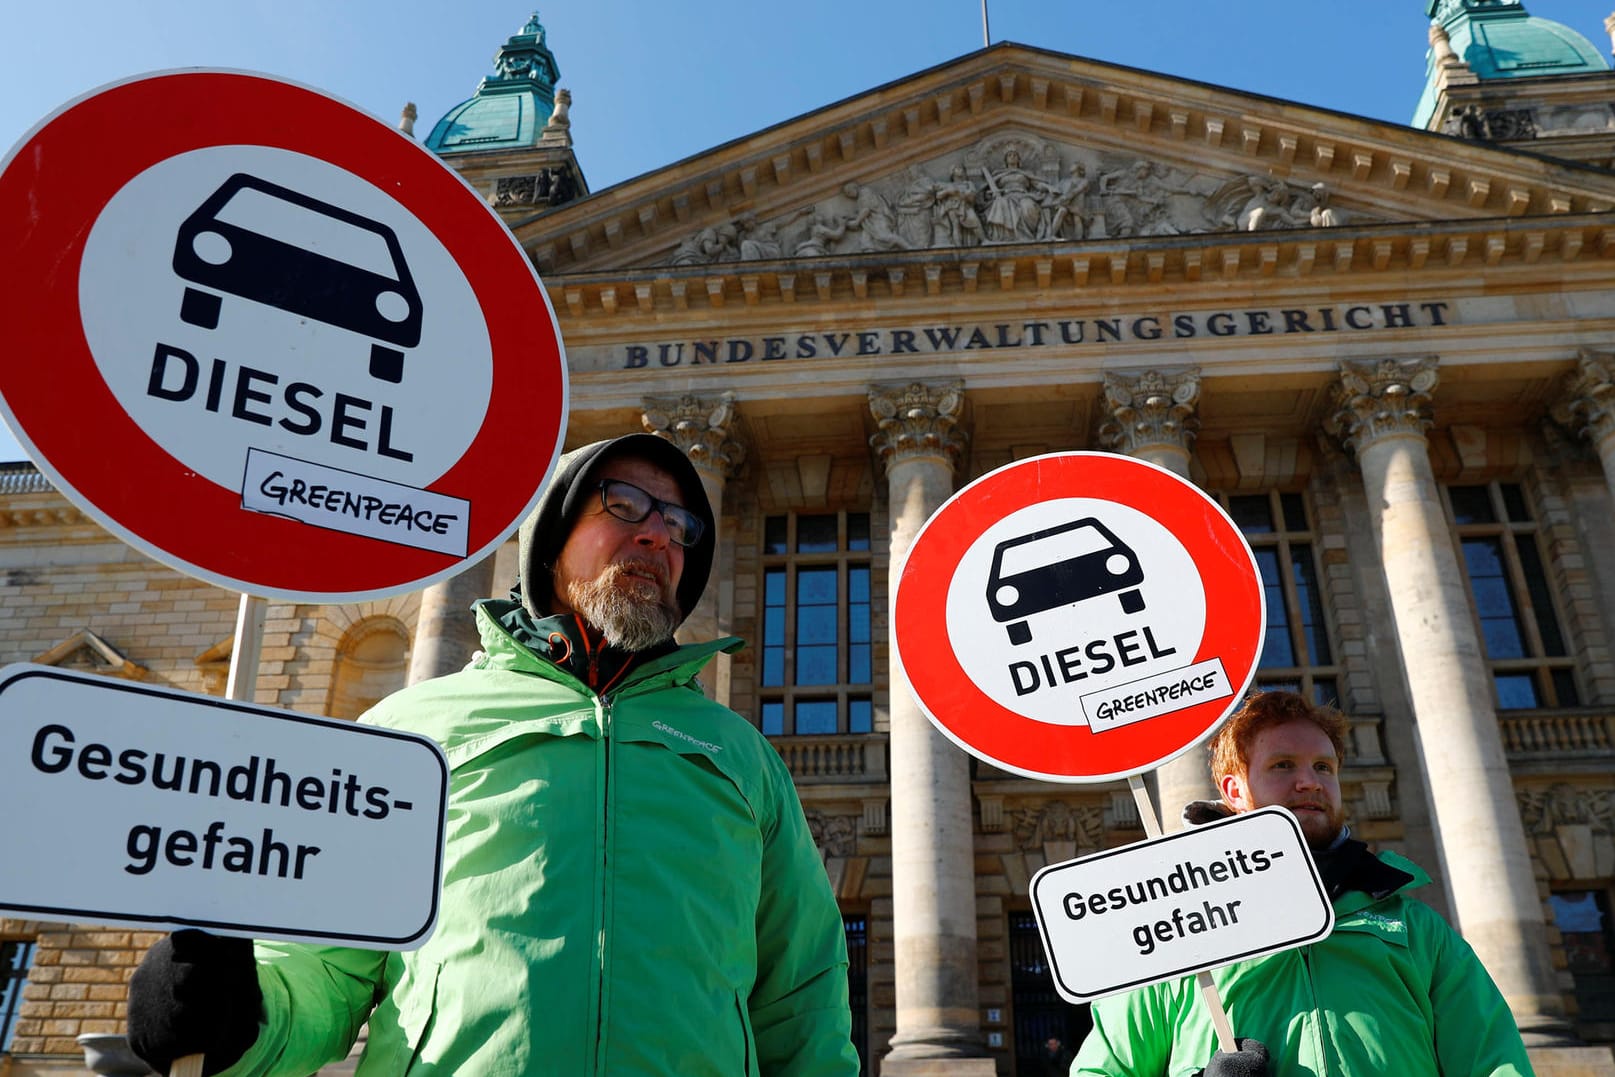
x=630 y=886
x=1392 y=990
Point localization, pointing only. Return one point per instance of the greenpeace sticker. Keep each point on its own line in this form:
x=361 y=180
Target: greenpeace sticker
x=357 y=504
x=1161 y=694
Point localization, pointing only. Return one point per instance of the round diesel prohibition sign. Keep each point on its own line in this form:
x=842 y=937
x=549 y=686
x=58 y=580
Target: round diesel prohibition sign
x=1079 y=617
x=270 y=341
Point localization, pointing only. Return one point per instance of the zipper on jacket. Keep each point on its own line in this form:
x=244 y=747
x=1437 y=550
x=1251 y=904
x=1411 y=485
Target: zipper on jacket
x=745 y=1036
x=1317 y=1014
x=602 y=937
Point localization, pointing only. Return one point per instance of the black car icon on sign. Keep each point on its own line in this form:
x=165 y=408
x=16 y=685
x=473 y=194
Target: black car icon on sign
x=269 y=244
x=1059 y=566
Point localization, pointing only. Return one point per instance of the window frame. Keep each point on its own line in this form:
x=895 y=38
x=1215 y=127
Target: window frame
x=1509 y=533
x=13 y=981
x=1306 y=676
x=843 y=692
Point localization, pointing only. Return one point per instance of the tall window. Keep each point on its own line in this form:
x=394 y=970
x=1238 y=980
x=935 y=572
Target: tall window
x=856 y=927
x=1583 y=919
x=1525 y=647
x=1296 y=653
x=817 y=661
x=15 y=957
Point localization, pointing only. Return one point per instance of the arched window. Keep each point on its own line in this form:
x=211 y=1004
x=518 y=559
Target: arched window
x=372 y=662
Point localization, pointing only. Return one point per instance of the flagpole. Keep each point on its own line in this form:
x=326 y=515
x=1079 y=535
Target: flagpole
x=986 y=35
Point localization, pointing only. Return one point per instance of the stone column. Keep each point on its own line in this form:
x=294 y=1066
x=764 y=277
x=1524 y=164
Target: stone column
x=933 y=838
x=701 y=427
x=1587 y=405
x=1381 y=415
x=446 y=630
x=1151 y=416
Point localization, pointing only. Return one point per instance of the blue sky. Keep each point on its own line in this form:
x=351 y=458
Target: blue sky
x=654 y=82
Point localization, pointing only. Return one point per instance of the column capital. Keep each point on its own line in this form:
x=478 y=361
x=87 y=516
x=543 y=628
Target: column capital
x=700 y=425
x=918 y=419
x=1155 y=408
x=1382 y=398
x=1586 y=405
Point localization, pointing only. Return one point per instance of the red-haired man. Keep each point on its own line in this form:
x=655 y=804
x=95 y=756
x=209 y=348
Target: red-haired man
x=1393 y=989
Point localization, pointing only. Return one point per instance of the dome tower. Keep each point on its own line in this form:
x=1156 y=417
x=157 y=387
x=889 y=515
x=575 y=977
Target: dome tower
x=1497 y=73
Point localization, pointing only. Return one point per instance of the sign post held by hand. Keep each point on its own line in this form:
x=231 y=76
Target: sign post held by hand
x=1081 y=617
x=1208 y=990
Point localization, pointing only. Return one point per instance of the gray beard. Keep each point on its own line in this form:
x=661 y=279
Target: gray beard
x=624 y=615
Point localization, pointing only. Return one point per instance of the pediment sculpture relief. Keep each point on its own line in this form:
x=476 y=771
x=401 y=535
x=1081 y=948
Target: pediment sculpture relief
x=1015 y=189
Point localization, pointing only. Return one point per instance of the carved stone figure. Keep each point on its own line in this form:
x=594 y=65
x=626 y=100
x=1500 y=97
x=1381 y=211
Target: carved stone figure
x=1136 y=202
x=1322 y=214
x=562 y=187
x=1065 y=206
x=1510 y=124
x=874 y=219
x=1069 y=194
x=835 y=835
x=547 y=187
x=759 y=240
x=1267 y=206
x=1255 y=203
x=957 y=223
x=1466 y=122
x=1014 y=210
x=712 y=244
x=822 y=234
x=1058 y=821
x=915 y=209
x=515 y=190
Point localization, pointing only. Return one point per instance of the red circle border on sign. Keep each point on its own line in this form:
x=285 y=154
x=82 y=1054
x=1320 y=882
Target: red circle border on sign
x=1235 y=616
x=57 y=183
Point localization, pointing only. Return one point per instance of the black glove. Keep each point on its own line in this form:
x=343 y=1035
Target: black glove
x=194 y=993
x=1249 y=1061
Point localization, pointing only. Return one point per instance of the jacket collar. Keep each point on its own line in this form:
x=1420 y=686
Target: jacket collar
x=1350 y=866
x=1353 y=876
x=555 y=648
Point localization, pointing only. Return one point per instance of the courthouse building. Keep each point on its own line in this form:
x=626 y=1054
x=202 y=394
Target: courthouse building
x=1387 y=351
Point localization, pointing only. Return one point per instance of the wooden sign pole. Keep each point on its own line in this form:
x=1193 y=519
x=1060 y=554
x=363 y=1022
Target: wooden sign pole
x=242 y=685
x=1208 y=989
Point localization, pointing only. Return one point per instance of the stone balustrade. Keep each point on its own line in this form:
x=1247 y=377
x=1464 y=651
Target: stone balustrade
x=839 y=757
x=1538 y=734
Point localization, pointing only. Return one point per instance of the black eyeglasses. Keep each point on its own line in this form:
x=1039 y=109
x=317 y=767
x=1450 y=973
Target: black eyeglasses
x=630 y=504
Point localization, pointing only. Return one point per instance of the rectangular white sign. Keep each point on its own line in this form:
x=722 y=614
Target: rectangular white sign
x=1197 y=899
x=1158 y=694
x=340 y=500
x=132 y=804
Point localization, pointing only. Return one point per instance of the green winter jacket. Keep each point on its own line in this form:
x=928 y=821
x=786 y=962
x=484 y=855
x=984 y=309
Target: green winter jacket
x=1392 y=990
x=629 y=888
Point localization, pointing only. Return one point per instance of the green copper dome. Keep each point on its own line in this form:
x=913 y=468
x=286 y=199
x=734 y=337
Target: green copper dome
x=1499 y=39
x=511 y=106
